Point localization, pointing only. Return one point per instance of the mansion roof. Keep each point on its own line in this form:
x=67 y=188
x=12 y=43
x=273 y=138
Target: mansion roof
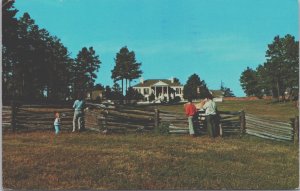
x=152 y=82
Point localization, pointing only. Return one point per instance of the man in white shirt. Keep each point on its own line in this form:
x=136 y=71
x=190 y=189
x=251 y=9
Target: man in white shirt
x=211 y=115
x=78 y=113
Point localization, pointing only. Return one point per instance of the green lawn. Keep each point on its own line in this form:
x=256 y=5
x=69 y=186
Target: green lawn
x=93 y=161
x=150 y=161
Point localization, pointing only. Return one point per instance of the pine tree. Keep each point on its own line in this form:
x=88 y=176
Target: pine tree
x=126 y=67
x=86 y=65
x=9 y=45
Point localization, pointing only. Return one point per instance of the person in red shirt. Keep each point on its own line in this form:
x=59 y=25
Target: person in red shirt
x=190 y=111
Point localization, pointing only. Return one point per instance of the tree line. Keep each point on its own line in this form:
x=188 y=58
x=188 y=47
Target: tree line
x=37 y=66
x=278 y=74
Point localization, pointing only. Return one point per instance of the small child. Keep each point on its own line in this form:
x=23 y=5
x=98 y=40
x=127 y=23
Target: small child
x=57 y=123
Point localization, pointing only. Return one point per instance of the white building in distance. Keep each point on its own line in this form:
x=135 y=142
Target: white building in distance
x=162 y=89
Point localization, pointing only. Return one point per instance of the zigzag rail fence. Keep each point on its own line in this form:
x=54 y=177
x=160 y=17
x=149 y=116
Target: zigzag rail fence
x=143 y=119
x=229 y=122
x=97 y=117
x=272 y=129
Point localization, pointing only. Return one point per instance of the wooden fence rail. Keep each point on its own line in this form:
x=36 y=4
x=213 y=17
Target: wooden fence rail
x=271 y=129
x=128 y=119
x=230 y=122
x=97 y=117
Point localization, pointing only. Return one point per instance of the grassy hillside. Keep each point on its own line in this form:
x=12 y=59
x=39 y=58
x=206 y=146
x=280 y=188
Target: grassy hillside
x=94 y=161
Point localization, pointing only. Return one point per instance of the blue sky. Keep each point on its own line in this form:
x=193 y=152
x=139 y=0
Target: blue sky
x=216 y=39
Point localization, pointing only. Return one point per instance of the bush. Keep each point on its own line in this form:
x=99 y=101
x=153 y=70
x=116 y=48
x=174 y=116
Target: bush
x=151 y=97
x=163 y=128
x=177 y=99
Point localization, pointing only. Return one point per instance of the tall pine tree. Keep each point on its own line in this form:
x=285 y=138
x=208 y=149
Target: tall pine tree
x=86 y=65
x=126 y=67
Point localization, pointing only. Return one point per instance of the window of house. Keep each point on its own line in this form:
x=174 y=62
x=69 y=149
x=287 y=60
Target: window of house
x=178 y=90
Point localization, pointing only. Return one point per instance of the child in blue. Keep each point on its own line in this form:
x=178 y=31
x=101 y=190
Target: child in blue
x=57 y=123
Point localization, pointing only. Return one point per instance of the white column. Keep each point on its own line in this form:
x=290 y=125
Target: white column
x=155 y=92
x=162 y=91
x=168 y=93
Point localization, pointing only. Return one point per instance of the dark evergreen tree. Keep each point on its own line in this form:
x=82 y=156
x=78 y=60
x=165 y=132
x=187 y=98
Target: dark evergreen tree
x=133 y=94
x=282 y=64
x=249 y=83
x=108 y=92
x=227 y=91
x=9 y=46
x=126 y=67
x=116 y=93
x=86 y=65
x=195 y=88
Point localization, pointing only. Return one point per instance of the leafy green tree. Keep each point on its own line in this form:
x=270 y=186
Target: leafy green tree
x=195 y=88
x=249 y=83
x=151 y=97
x=176 y=80
x=263 y=79
x=133 y=94
x=227 y=91
x=116 y=93
x=107 y=92
x=279 y=73
x=282 y=64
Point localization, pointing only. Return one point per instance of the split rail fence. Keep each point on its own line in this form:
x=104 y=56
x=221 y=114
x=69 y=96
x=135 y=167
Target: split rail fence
x=143 y=119
x=271 y=129
x=97 y=117
x=230 y=123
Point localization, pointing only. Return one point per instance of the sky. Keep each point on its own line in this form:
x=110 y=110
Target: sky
x=216 y=39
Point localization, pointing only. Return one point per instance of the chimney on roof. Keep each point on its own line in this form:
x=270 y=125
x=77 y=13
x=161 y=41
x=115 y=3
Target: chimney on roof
x=172 y=80
x=142 y=80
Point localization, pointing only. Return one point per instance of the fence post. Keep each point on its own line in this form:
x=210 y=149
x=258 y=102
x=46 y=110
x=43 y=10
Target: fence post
x=13 y=115
x=221 y=130
x=156 y=118
x=104 y=120
x=296 y=130
x=243 y=122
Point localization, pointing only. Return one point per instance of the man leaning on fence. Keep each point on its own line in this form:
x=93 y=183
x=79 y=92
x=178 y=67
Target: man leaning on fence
x=211 y=115
x=78 y=113
x=190 y=111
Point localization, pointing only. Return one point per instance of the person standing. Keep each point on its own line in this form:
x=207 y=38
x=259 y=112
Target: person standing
x=211 y=115
x=190 y=111
x=78 y=113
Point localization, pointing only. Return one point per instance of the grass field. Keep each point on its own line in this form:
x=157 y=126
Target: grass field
x=88 y=160
x=93 y=161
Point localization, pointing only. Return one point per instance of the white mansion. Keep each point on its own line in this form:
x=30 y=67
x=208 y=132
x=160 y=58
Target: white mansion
x=162 y=89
